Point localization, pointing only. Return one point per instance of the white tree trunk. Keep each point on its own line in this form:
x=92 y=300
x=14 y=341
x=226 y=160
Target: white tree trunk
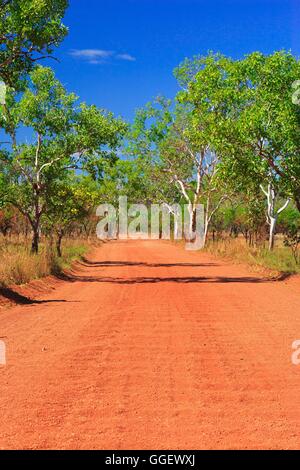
x=272 y=214
x=273 y=221
x=191 y=219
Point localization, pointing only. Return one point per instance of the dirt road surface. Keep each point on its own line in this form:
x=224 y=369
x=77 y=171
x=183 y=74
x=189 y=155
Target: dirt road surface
x=148 y=346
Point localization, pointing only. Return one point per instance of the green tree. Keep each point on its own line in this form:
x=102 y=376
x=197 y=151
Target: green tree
x=29 y=31
x=254 y=121
x=268 y=123
x=70 y=204
x=174 y=148
x=125 y=177
x=65 y=136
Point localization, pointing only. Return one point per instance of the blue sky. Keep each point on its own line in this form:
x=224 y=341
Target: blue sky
x=119 y=54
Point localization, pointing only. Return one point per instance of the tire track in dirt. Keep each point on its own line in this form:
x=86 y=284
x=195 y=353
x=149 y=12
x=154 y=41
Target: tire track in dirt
x=150 y=346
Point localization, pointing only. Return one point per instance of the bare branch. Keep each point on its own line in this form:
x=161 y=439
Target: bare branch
x=284 y=206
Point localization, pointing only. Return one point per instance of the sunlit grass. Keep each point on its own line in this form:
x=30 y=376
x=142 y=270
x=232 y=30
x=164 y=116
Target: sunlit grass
x=19 y=266
x=281 y=259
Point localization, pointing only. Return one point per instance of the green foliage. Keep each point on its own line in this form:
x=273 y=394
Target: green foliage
x=232 y=129
x=288 y=219
x=71 y=200
x=29 y=30
x=68 y=137
x=246 y=111
x=292 y=240
x=290 y=226
x=241 y=216
x=176 y=155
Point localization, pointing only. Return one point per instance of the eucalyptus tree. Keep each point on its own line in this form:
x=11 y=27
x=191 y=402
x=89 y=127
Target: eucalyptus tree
x=268 y=122
x=208 y=92
x=257 y=125
x=29 y=31
x=273 y=212
x=125 y=177
x=144 y=141
x=167 y=200
x=164 y=135
x=65 y=135
x=71 y=202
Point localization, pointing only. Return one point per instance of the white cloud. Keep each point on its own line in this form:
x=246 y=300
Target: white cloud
x=127 y=57
x=99 y=56
x=92 y=56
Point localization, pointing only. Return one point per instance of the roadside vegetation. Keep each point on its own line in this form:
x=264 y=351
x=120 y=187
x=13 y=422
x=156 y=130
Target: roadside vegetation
x=229 y=139
x=280 y=260
x=19 y=266
x=53 y=148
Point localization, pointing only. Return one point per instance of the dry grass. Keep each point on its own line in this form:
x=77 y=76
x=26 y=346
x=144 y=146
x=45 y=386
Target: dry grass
x=19 y=266
x=280 y=260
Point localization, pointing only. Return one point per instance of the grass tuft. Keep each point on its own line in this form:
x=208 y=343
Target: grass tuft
x=19 y=266
x=281 y=259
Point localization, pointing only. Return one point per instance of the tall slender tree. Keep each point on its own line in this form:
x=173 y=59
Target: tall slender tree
x=66 y=135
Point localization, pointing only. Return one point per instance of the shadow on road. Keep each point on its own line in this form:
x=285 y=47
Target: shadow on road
x=180 y=280
x=109 y=264
x=157 y=279
x=20 y=299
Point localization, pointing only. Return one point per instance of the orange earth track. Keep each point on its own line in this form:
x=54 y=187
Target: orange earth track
x=148 y=346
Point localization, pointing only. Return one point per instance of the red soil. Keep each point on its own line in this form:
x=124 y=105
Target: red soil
x=148 y=346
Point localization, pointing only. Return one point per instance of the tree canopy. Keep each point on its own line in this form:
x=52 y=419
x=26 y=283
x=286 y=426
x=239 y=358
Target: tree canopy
x=66 y=135
x=29 y=31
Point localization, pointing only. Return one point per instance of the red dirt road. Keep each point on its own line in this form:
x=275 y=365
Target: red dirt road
x=152 y=347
